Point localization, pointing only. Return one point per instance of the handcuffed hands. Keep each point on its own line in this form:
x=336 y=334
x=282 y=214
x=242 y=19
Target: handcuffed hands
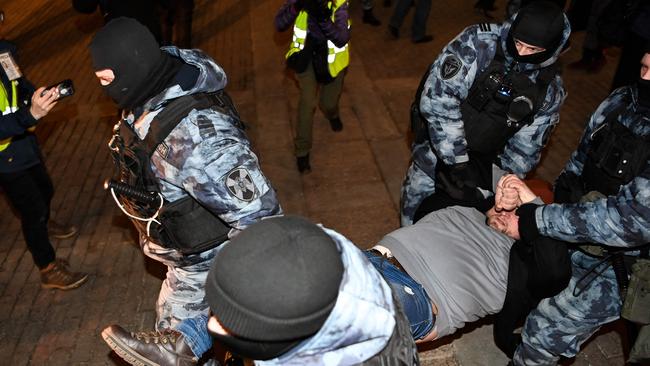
x=43 y=104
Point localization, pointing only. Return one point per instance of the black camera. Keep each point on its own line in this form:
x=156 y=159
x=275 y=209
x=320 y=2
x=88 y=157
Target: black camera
x=64 y=87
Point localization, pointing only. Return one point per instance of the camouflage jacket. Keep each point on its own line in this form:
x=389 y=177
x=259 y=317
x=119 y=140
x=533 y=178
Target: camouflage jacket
x=209 y=161
x=450 y=78
x=622 y=220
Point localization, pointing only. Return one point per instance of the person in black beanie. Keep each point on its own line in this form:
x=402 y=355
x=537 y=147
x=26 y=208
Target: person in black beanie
x=288 y=292
x=602 y=203
x=180 y=141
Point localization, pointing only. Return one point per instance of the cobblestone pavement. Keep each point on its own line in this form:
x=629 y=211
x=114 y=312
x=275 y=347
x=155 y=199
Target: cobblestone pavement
x=353 y=188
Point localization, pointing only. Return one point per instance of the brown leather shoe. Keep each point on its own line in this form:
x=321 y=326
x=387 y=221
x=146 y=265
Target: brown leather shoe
x=57 y=275
x=166 y=348
x=60 y=231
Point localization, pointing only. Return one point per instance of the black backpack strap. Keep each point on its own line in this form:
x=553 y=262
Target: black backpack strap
x=177 y=109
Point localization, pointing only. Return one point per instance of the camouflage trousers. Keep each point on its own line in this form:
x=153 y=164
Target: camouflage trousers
x=417 y=186
x=561 y=324
x=182 y=294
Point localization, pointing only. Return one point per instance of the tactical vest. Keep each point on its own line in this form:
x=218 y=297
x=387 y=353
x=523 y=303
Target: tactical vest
x=615 y=156
x=184 y=225
x=499 y=103
x=338 y=58
x=400 y=349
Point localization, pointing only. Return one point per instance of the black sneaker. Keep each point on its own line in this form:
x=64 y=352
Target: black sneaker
x=336 y=124
x=303 y=164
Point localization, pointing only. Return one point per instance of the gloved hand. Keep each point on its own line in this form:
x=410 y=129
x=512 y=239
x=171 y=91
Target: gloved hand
x=528 y=230
x=462 y=175
x=318 y=9
x=459 y=182
x=568 y=188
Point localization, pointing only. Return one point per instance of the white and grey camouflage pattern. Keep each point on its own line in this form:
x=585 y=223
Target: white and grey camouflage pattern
x=622 y=220
x=442 y=96
x=560 y=325
x=216 y=166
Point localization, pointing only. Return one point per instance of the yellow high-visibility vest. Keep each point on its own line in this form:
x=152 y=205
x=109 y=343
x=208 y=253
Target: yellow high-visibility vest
x=6 y=107
x=337 y=58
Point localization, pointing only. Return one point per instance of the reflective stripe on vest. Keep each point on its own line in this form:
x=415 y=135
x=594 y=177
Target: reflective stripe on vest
x=338 y=58
x=6 y=107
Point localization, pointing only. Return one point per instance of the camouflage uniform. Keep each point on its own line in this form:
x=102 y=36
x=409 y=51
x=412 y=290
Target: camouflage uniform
x=197 y=158
x=450 y=78
x=561 y=324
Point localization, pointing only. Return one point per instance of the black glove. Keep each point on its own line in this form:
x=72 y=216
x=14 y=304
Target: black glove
x=318 y=9
x=528 y=230
x=568 y=188
x=459 y=182
x=462 y=175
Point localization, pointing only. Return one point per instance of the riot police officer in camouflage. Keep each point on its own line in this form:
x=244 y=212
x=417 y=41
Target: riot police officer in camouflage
x=490 y=100
x=603 y=196
x=188 y=178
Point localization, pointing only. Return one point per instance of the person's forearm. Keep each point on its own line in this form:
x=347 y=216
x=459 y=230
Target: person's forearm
x=16 y=123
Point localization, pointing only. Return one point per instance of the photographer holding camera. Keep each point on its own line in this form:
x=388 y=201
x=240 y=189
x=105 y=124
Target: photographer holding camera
x=487 y=104
x=23 y=176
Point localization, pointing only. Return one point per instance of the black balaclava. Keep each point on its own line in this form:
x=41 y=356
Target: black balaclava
x=274 y=285
x=540 y=24
x=141 y=69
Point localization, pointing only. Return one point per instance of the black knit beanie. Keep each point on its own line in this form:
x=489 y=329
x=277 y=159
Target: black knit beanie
x=540 y=24
x=276 y=281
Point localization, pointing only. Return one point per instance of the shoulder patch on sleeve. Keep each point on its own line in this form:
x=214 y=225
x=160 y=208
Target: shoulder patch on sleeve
x=163 y=150
x=450 y=67
x=485 y=27
x=240 y=184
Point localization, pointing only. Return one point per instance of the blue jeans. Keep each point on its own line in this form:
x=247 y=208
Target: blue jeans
x=195 y=331
x=411 y=295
